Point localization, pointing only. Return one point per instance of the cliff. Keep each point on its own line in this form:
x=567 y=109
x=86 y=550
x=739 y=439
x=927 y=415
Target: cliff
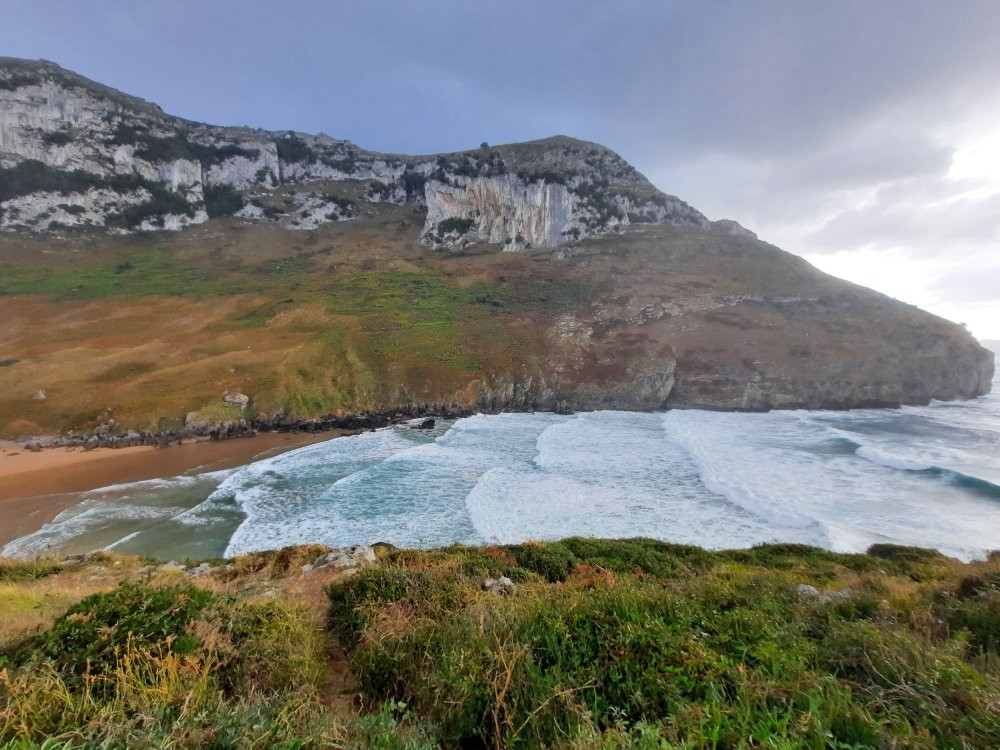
x=152 y=269
x=75 y=153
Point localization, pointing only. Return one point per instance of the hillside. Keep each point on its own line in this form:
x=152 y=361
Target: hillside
x=575 y=644
x=150 y=266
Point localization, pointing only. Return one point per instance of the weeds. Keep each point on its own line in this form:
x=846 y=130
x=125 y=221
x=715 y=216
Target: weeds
x=600 y=644
x=636 y=643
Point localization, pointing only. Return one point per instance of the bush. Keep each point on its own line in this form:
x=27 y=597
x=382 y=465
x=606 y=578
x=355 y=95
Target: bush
x=162 y=203
x=620 y=643
x=174 y=666
x=222 y=200
x=57 y=138
x=454 y=224
x=293 y=149
x=92 y=636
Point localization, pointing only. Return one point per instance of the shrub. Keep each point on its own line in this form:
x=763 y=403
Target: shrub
x=621 y=643
x=163 y=202
x=454 y=224
x=16 y=80
x=293 y=149
x=174 y=666
x=222 y=200
x=57 y=138
x=91 y=636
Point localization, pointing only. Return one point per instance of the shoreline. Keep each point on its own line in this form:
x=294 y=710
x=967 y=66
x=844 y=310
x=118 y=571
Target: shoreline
x=35 y=486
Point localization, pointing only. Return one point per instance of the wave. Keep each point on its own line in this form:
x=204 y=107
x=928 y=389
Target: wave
x=917 y=459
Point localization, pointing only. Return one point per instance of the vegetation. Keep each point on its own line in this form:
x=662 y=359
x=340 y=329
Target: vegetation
x=58 y=138
x=163 y=202
x=14 y=81
x=170 y=148
x=594 y=644
x=293 y=149
x=31 y=176
x=310 y=329
x=454 y=224
x=643 y=644
x=222 y=200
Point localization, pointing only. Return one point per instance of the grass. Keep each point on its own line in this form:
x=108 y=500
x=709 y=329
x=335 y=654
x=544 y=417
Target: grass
x=147 y=272
x=172 y=329
x=156 y=661
x=639 y=643
x=600 y=644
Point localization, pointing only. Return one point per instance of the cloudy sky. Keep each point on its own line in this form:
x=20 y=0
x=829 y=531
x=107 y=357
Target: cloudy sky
x=863 y=135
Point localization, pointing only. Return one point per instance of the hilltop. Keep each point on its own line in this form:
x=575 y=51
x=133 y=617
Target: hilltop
x=151 y=266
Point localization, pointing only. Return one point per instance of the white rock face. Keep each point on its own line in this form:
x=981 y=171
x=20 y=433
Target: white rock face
x=242 y=172
x=520 y=196
x=504 y=209
x=34 y=114
x=37 y=211
x=521 y=213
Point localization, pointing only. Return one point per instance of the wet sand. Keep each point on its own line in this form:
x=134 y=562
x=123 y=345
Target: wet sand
x=36 y=487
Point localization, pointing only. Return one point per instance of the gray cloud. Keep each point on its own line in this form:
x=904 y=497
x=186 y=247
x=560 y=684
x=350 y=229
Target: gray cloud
x=975 y=282
x=896 y=219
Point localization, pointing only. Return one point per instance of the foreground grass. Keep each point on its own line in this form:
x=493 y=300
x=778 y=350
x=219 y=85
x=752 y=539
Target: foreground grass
x=597 y=644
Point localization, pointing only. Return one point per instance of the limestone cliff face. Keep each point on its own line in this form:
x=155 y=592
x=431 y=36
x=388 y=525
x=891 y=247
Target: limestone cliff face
x=503 y=209
x=78 y=154
x=542 y=194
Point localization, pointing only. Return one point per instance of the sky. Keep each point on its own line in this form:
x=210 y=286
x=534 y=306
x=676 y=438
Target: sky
x=861 y=135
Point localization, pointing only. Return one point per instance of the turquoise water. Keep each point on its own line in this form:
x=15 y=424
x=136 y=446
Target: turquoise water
x=928 y=476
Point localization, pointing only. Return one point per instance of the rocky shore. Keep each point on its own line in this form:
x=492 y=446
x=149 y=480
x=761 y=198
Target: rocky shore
x=106 y=437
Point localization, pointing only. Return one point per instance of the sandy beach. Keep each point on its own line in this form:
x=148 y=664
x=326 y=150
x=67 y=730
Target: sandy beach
x=35 y=487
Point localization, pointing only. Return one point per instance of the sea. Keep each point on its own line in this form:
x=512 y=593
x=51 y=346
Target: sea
x=927 y=476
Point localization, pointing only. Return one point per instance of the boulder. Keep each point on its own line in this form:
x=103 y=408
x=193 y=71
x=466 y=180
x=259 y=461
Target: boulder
x=811 y=592
x=502 y=585
x=346 y=557
x=237 y=399
x=199 y=569
x=427 y=424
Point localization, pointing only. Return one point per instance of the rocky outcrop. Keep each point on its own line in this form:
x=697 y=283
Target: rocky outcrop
x=75 y=154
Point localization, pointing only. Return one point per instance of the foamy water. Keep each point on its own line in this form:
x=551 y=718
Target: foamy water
x=926 y=476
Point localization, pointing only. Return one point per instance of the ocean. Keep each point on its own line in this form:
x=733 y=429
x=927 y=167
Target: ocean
x=927 y=476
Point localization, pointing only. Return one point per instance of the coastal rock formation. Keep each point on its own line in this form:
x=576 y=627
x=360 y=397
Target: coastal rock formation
x=74 y=153
x=349 y=289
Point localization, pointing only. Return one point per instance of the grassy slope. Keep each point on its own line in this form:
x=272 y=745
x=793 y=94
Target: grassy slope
x=357 y=315
x=147 y=330
x=601 y=644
